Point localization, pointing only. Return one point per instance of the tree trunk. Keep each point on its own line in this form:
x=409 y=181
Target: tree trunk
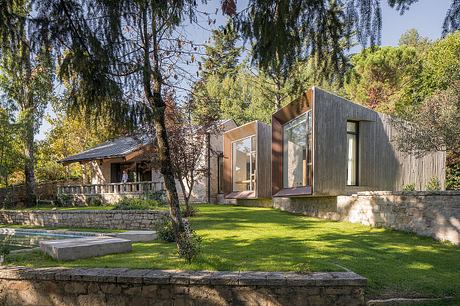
x=28 y=132
x=166 y=169
x=152 y=80
x=29 y=158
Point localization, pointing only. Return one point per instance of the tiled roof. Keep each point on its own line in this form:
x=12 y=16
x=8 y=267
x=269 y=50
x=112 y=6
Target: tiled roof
x=111 y=149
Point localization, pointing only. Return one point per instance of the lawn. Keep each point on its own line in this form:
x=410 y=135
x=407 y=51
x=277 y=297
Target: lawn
x=263 y=239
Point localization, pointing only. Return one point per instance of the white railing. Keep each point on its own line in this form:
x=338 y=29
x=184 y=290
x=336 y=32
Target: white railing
x=117 y=188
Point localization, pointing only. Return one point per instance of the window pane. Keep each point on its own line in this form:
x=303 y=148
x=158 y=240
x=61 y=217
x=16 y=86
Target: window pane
x=244 y=164
x=351 y=159
x=295 y=153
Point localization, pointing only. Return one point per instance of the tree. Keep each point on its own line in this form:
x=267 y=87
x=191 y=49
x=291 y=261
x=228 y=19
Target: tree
x=188 y=148
x=380 y=75
x=239 y=91
x=70 y=134
x=434 y=126
x=119 y=55
x=282 y=32
x=10 y=156
x=26 y=76
x=413 y=39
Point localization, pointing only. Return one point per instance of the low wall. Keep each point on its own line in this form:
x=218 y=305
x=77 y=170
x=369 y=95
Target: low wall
x=110 y=219
x=51 y=286
x=434 y=214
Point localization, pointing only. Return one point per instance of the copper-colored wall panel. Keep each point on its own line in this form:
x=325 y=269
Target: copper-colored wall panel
x=263 y=150
x=263 y=169
x=282 y=116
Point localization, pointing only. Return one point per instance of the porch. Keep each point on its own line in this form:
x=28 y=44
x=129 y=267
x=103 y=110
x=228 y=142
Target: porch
x=129 y=188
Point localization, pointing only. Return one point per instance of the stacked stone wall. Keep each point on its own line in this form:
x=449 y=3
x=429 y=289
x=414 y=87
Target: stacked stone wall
x=434 y=214
x=110 y=219
x=100 y=287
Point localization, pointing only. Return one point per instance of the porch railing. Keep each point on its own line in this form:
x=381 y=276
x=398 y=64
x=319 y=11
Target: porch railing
x=117 y=188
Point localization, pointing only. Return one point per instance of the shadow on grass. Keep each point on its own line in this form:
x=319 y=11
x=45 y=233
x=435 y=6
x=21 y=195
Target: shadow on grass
x=241 y=238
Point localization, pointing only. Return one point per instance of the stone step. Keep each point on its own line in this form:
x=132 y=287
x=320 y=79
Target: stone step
x=76 y=248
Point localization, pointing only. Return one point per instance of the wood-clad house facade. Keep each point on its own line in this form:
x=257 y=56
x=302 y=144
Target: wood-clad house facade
x=324 y=145
x=247 y=155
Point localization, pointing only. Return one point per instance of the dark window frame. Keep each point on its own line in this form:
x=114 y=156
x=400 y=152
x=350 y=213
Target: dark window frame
x=220 y=174
x=356 y=133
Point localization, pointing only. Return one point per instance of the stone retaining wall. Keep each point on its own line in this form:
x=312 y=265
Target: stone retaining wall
x=110 y=219
x=55 y=286
x=434 y=214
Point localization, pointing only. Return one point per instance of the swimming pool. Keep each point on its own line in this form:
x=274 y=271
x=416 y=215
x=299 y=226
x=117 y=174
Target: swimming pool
x=17 y=239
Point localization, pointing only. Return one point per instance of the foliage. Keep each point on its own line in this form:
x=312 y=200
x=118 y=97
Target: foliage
x=453 y=170
x=188 y=143
x=409 y=187
x=242 y=94
x=70 y=134
x=413 y=39
x=433 y=185
x=4 y=251
x=136 y=204
x=441 y=67
x=281 y=33
x=434 y=125
x=10 y=155
x=379 y=76
x=26 y=75
x=240 y=238
x=63 y=200
x=190 y=245
x=165 y=231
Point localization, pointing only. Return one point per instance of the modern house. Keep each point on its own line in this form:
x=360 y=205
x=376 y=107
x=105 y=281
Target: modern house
x=107 y=162
x=247 y=160
x=324 y=145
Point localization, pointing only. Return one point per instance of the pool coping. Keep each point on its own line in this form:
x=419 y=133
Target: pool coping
x=131 y=235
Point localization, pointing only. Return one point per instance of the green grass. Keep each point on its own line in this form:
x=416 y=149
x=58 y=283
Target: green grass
x=244 y=238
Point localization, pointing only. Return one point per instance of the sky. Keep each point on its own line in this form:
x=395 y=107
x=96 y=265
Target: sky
x=426 y=16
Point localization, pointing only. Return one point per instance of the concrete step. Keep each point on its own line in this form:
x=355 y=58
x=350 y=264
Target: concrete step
x=136 y=236
x=76 y=248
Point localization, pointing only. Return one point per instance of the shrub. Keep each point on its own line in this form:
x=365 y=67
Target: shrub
x=409 y=187
x=4 y=251
x=189 y=242
x=136 y=204
x=159 y=196
x=189 y=211
x=165 y=231
x=63 y=200
x=433 y=185
x=189 y=245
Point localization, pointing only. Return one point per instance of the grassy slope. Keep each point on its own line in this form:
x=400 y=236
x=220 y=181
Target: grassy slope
x=243 y=238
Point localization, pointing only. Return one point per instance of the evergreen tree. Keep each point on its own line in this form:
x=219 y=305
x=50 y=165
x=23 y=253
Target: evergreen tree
x=26 y=75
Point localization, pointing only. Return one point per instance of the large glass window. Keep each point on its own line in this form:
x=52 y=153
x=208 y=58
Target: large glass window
x=244 y=164
x=297 y=144
x=352 y=152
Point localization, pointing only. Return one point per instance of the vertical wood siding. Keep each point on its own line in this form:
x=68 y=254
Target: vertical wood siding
x=381 y=165
x=263 y=169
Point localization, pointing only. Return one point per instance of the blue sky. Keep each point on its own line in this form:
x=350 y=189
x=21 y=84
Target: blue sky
x=426 y=16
